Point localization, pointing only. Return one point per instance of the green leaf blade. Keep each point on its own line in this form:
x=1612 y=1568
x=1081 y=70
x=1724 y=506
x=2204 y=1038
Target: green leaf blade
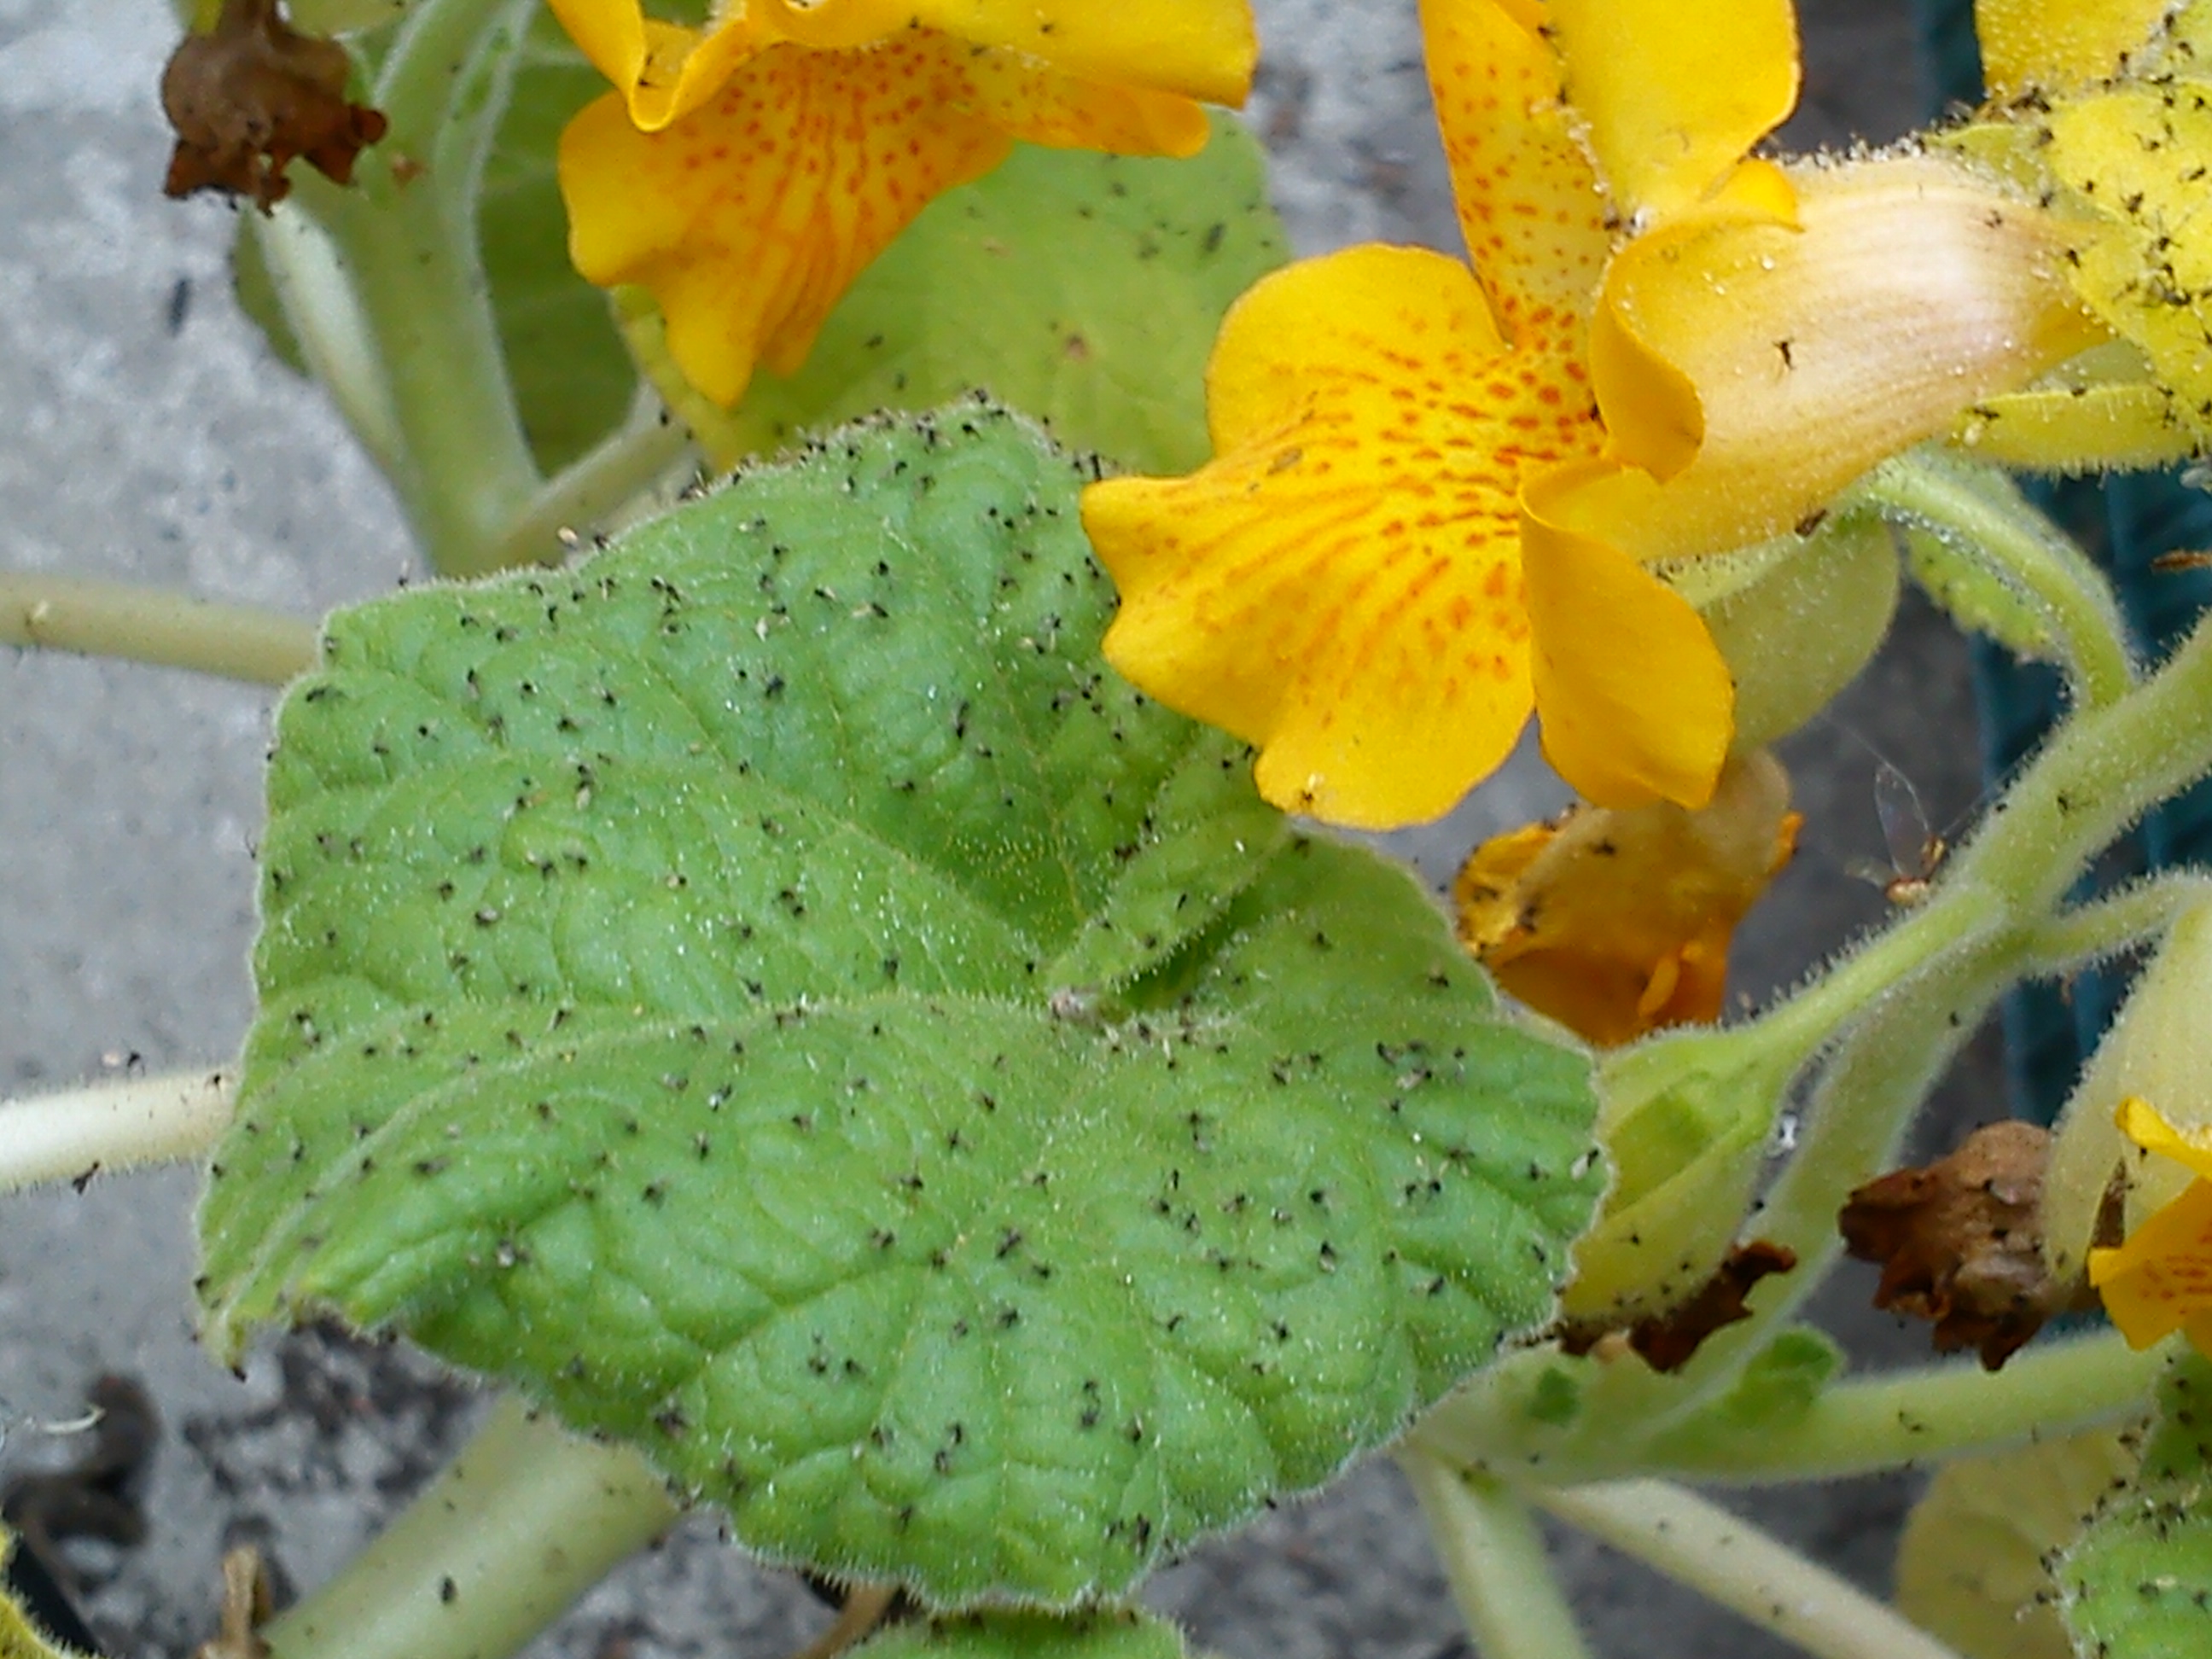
x=966 y=1135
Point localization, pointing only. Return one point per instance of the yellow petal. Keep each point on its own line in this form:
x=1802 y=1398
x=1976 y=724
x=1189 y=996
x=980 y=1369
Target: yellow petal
x=2078 y=428
x=2145 y=1125
x=748 y=220
x=1201 y=49
x=1029 y=100
x=1636 y=701
x=2059 y=45
x=2161 y=1277
x=1529 y=204
x=1914 y=290
x=1341 y=585
x=2138 y=155
x=1618 y=923
x=663 y=72
x=1676 y=91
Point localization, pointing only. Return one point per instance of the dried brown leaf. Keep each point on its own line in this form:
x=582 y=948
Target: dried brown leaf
x=253 y=94
x=1667 y=1340
x=1960 y=1241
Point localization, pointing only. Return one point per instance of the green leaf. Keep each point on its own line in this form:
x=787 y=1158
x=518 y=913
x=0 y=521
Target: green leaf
x=1971 y=1567
x=2138 y=1583
x=775 y=995
x=1102 y=1635
x=1082 y=288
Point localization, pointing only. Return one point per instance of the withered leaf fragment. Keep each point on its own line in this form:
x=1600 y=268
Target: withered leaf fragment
x=1960 y=1242
x=1667 y=1340
x=250 y=95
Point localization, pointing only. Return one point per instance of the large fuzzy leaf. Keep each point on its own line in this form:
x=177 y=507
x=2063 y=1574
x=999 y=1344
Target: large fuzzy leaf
x=2137 y=1583
x=775 y=995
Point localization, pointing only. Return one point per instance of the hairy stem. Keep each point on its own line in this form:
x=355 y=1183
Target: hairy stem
x=1744 y=1569
x=584 y=494
x=526 y=1519
x=1980 y=513
x=1927 y=1413
x=112 y=1126
x=151 y=625
x=1493 y=1558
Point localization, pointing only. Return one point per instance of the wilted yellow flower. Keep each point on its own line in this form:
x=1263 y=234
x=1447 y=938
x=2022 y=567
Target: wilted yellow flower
x=746 y=173
x=1438 y=491
x=1617 y=922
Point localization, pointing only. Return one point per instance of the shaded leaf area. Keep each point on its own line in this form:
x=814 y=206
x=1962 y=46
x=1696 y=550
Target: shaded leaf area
x=571 y=375
x=1084 y=288
x=774 y=993
x=1104 y=1635
x=2137 y=1583
x=1971 y=1567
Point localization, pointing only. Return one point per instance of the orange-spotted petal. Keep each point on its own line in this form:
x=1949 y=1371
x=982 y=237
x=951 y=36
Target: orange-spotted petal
x=2060 y=45
x=1030 y=100
x=1636 y=701
x=1757 y=370
x=1201 y=49
x=2161 y=1277
x=748 y=220
x=1529 y=200
x=1675 y=92
x=1341 y=585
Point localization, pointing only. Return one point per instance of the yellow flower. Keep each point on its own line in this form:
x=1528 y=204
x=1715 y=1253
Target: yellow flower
x=1436 y=492
x=744 y=175
x=2159 y=1280
x=1616 y=923
x=2104 y=108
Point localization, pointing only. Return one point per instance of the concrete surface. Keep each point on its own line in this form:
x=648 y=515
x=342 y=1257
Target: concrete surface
x=145 y=433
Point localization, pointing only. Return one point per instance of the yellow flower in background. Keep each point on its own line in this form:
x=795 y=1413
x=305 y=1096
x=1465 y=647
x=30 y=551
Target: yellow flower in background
x=746 y=173
x=1617 y=923
x=2159 y=1280
x=2104 y=108
x=1437 y=492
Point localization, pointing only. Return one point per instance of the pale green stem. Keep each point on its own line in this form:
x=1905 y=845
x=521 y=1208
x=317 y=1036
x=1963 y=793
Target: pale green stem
x=464 y=469
x=2101 y=772
x=1927 y=1412
x=1981 y=513
x=592 y=488
x=315 y=292
x=1493 y=1558
x=1733 y=1562
x=526 y=1519
x=108 y=1128
x=437 y=47
x=151 y=625
x=2119 y=921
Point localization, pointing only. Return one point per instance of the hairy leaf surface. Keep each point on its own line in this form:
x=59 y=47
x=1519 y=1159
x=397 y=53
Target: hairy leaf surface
x=774 y=994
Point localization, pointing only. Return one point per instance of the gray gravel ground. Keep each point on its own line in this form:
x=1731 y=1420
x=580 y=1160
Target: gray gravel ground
x=145 y=433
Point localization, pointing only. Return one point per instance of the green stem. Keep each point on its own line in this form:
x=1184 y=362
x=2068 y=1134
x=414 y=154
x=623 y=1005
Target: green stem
x=526 y=1519
x=1493 y=1558
x=1918 y=1415
x=2119 y=921
x=315 y=292
x=438 y=46
x=464 y=468
x=594 y=486
x=112 y=1127
x=149 y=625
x=1744 y=1569
x=1979 y=513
